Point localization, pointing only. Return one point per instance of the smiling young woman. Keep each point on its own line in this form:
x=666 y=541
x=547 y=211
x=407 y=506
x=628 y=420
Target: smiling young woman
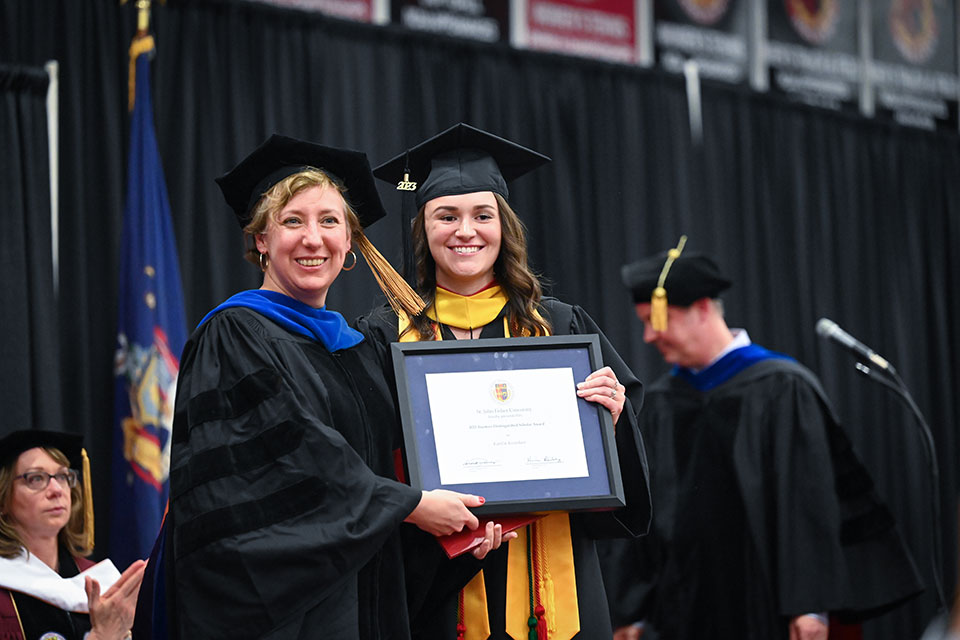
x=470 y=254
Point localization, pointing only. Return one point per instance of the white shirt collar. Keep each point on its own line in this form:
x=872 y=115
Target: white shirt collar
x=28 y=574
x=740 y=339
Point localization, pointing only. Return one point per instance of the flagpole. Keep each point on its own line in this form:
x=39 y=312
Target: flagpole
x=151 y=328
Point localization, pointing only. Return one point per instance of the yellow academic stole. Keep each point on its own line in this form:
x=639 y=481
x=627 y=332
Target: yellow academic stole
x=541 y=581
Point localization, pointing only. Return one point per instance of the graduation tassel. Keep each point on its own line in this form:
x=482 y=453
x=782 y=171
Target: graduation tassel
x=658 y=301
x=400 y=295
x=87 y=502
x=658 y=309
x=408 y=211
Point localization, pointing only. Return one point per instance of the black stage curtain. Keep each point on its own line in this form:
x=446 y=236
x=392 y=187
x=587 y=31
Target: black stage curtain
x=29 y=380
x=812 y=213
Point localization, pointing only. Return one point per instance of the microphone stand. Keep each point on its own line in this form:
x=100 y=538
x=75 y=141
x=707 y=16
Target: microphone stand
x=894 y=383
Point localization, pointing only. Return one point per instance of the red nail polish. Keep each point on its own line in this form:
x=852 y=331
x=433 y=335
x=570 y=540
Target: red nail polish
x=482 y=500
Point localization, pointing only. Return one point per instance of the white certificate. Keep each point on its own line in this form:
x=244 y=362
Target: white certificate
x=500 y=426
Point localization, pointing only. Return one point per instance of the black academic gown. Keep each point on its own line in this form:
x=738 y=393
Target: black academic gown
x=38 y=618
x=276 y=503
x=763 y=512
x=433 y=581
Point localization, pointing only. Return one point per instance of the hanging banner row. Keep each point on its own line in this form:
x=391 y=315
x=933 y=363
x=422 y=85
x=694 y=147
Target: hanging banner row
x=890 y=59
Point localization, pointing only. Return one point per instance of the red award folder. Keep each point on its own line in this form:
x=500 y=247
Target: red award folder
x=463 y=541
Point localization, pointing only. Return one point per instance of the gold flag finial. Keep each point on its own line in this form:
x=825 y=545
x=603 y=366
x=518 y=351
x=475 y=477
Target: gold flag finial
x=143 y=15
x=658 y=301
x=142 y=43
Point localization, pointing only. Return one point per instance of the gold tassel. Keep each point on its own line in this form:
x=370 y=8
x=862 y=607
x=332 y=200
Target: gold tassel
x=139 y=46
x=87 y=502
x=658 y=301
x=400 y=295
x=658 y=309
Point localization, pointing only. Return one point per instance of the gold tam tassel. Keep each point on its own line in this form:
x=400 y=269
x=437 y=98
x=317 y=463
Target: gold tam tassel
x=87 y=502
x=658 y=301
x=402 y=298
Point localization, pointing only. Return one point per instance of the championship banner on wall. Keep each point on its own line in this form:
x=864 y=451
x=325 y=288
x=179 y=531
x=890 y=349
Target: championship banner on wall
x=605 y=29
x=813 y=51
x=914 y=70
x=359 y=10
x=712 y=33
x=483 y=20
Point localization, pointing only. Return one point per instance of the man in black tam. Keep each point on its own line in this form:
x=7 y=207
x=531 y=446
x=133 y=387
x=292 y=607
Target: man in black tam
x=766 y=525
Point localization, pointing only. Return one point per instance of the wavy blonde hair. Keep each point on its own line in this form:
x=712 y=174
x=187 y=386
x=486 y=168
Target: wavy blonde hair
x=276 y=198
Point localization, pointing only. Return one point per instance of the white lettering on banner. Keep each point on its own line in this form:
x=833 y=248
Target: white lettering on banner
x=472 y=7
x=588 y=21
x=591 y=48
x=842 y=65
x=827 y=87
x=726 y=70
x=483 y=29
x=697 y=40
x=914 y=119
x=353 y=9
x=918 y=80
x=898 y=101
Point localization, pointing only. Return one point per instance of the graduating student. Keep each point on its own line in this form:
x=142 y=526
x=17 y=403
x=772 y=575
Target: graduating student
x=46 y=532
x=766 y=522
x=284 y=505
x=470 y=256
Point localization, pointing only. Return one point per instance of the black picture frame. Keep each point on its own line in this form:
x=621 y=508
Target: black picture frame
x=600 y=489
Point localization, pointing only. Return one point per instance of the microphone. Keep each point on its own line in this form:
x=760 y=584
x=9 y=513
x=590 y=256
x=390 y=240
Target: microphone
x=830 y=330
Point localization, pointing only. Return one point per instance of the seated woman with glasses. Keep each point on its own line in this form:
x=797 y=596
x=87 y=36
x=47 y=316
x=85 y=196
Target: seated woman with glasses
x=48 y=589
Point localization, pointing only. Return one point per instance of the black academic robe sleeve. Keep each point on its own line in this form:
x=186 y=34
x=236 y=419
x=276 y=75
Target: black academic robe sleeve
x=273 y=512
x=832 y=545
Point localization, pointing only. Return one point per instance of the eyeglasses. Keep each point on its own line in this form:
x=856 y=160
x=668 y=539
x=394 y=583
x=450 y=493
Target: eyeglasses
x=38 y=480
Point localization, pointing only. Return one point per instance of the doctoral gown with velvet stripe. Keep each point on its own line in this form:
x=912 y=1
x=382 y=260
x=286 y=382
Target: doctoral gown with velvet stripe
x=433 y=581
x=762 y=512
x=284 y=505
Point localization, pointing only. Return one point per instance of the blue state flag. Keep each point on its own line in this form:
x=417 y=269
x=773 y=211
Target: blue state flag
x=151 y=331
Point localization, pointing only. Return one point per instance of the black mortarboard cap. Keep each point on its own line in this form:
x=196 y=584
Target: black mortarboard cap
x=462 y=159
x=691 y=277
x=12 y=445
x=281 y=156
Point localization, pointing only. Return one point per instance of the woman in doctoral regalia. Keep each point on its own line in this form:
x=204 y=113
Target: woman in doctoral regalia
x=48 y=588
x=471 y=267
x=284 y=504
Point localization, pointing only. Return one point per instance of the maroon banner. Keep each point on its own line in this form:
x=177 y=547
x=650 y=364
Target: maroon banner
x=484 y=20
x=595 y=28
x=712 y=33
x=359 y=10
x=813 y=51
x=914 y=69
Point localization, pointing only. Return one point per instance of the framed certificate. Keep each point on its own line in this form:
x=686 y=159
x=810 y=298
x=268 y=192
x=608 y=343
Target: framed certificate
x=501 y=418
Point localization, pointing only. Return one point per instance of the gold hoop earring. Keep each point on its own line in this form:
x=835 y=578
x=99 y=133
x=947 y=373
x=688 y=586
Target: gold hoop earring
x=345 y=267
x=264 y=262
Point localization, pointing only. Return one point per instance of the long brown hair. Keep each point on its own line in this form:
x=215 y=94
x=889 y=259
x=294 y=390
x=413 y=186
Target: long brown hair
x=511 y=269
x=71 y=536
